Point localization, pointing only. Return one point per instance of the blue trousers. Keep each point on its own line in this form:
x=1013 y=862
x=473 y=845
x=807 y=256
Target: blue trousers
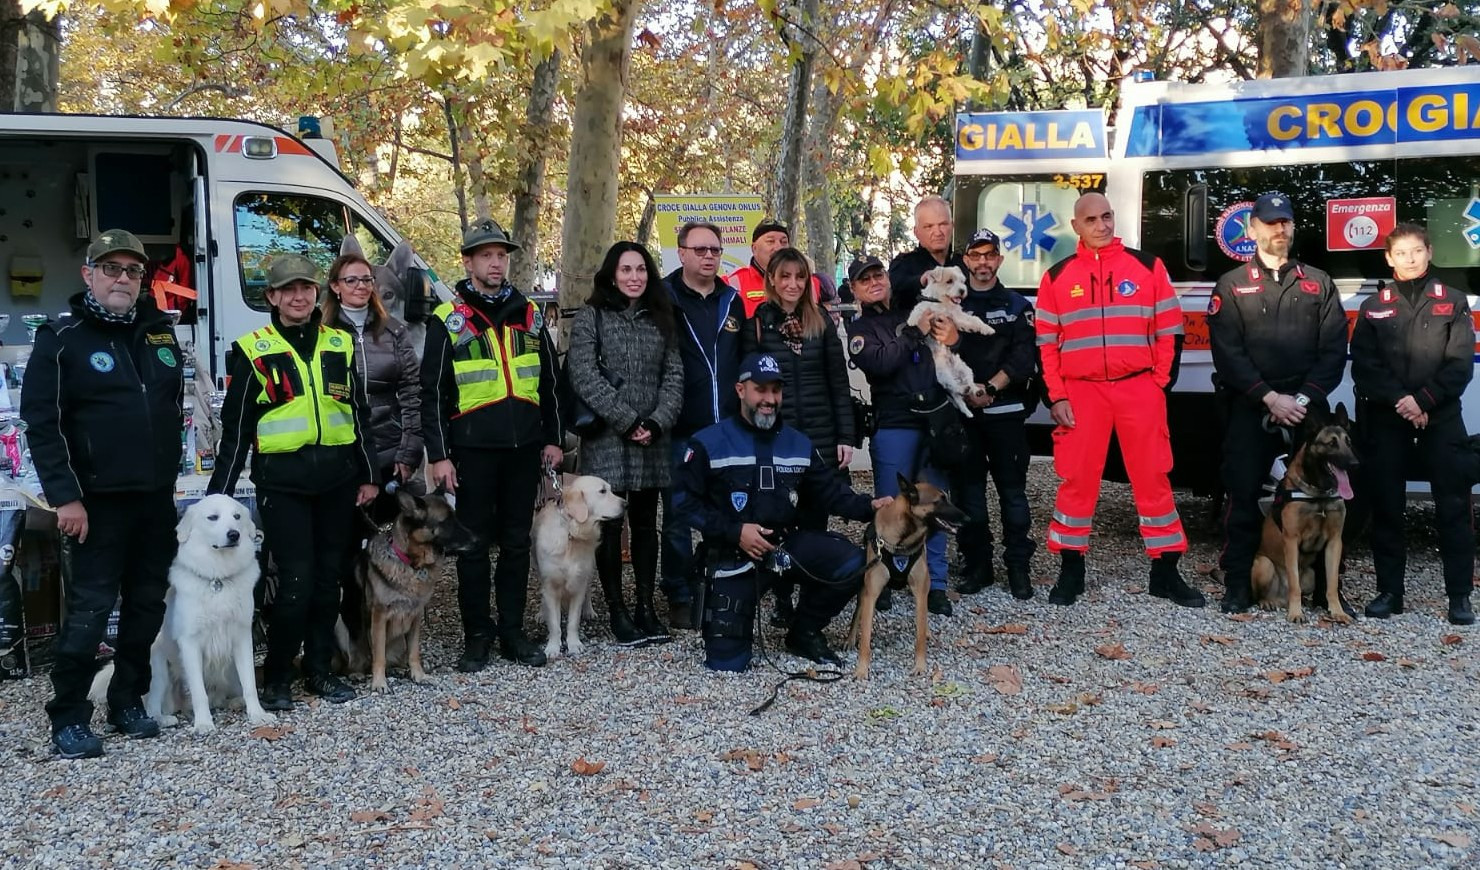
x=899 y=451
x=678 y=542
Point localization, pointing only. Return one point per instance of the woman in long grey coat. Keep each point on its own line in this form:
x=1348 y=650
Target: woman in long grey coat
x=624 y=363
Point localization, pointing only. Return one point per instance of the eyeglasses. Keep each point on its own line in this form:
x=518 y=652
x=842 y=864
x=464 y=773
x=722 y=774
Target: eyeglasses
x=357 y=280
x=134 y=271
x=704 y=251
x=980 y=255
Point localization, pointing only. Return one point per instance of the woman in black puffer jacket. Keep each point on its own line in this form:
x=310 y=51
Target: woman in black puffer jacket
x=791 y=326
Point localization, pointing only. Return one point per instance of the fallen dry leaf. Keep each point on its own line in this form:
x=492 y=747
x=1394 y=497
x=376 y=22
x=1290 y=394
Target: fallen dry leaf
x=365 y=816
x=849 y=864
x=1451 y=640
x=224 y=864
x=1146 y=688
x=1205 y=808
x=1408 y=663
x=271 y=732
x=1068 y=849
x=1455 y=839
x=789 y=827
x=1241 y=617
x=984 y=759
x=1372 y=656
x=1005 y=679
x=582 y=767
x=454 y=704
x=1203 y=844
x=1091 y=699
x=1013 y=628
x=1068 y=708
x=1113 y=651
x=1163 y=724
x=55 y=792
x=1221 y=639
x=1055 y=678
x=1145 y=865
x=1465 y=807
x=704 y=816
x=1161 y=742
x=805 y=804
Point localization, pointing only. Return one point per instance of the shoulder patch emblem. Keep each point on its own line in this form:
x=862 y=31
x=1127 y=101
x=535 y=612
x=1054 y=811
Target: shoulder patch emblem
x=1215 y=304
x=1126 y=288
x=166 y=356
x=101 y=361
x=1445 y=309
x=1312 y=287
x=336 y=341
x=455 y=322
x=732 y=324
x=855 y=344
x=538 y=321
x=739 y=500
x=262 y=345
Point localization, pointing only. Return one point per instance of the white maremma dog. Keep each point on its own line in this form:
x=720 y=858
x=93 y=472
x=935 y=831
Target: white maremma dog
x=205 y=645
x=566 y=531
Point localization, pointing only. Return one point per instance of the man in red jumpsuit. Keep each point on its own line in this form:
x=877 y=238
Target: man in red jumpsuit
x=1108 y=321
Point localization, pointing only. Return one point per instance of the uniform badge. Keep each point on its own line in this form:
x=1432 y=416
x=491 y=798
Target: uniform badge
x=166 y=356
x=537 y=322
x=688 y=454
x=1126 y=288
x=732 y=324
x=901 y=563
x=1381 y=314
x=855 y=344
x=1076 y=292
x=101 y=361
x=455 y=322
x=1215 y=304
x=262 y=345
x=1445 y=310
x=1311 y=287
x=791 y=496
x=1245 y=291
x=739 y=500
x=336 y=341
x=160 y=338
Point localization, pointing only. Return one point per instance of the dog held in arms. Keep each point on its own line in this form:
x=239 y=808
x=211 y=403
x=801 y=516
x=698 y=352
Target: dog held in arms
x=566 y=531
x=396 y=574
x=894 y=548
x=1305 y=522
x=204 y=649
x=941 y=297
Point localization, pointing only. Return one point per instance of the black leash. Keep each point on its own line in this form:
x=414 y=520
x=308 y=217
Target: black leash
x=813 y=675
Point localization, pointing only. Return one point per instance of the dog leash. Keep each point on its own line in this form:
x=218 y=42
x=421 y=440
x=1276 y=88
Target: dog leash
x=552 y=474
x=813 y=675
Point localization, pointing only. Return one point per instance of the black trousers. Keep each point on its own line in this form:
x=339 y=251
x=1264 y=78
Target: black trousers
x=642 y=519
x=130 y=545
x=1002 y=442
x=1248 y=453
x=309 y=538
x=829 y=570
x=1386 y=442
x=496 y=491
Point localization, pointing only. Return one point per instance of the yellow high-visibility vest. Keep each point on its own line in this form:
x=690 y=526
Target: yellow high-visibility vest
x=310 y=400
x=492 y=365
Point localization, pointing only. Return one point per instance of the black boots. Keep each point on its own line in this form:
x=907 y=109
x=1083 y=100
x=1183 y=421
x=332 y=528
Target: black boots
x=938 y=603
x=1019 y=583
x=810 y=644
x=1238 y=594
x=1167 y=582
x=1459 y=610
x=645 y=568
x=1071 y=579
x=1385 y=604
x=474 y=659
x=609 y=569
x=978 y=577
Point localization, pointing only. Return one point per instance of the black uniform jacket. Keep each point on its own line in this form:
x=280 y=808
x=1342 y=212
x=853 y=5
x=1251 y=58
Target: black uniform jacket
x=1012 y=348
x=1414 y=338
x=1282 y=331
x=102 y=404
x=906 y=269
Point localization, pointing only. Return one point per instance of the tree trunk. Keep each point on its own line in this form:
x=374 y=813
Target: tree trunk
x=1284 y=38
x=595 y=151
x=459 y=186
x=979 y=59
x=649 y=217
x=529 y=189
x=793 y=128
x=30 y=60
x=817 y=200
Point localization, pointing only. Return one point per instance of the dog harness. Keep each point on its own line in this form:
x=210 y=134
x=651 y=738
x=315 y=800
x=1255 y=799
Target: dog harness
x=1283 y=495
x=898 y=564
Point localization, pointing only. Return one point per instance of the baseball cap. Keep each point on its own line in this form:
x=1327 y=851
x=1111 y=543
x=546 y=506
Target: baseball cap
x=113 y=241
x=486 y=232
x=288 y=268
x=769 y=227
x=858 y=267
x=984 y=236
x=1273 y=207
x=760 y=368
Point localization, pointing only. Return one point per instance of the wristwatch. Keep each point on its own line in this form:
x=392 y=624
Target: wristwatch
x=990 y=388
x=1302 y=399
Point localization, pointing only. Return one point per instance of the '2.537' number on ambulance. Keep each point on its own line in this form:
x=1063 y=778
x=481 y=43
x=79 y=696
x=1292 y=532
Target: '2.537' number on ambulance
x=1081 y=181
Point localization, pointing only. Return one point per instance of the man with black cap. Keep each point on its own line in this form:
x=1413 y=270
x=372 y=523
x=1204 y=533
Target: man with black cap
x=738 y=483
x=101 y=403
x=1004 y=363
x=490 y=422
x=1278 y=336
x=767 y=238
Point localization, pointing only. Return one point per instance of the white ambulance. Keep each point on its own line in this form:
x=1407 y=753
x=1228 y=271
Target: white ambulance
x=212 y=200
x=1355 y=153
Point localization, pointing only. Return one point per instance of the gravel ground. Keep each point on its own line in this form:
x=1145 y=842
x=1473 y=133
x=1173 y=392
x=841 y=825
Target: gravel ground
x=1123 y=732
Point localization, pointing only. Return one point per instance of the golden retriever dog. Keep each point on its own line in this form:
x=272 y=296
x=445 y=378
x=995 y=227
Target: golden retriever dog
x=566 y=530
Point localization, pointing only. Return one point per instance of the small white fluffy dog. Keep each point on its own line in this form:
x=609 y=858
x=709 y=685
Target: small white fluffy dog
x=941 y=297
x=566 y=531
x=205 y=645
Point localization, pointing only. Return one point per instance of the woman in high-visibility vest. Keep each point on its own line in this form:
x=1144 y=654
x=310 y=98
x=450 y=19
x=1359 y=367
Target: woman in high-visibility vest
x=295 y=402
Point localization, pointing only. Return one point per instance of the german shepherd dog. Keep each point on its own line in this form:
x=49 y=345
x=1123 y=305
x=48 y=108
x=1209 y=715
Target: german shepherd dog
x=895 y=551
x=1305 y=522
x=397 y=574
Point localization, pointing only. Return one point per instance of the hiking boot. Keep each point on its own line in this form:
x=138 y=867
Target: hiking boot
x=329 y=687
x=681 y=615
x=77 y=741
x=1384 y=605
x=1167 y=582
x=1070 y=584
x=1238 y=596
x=518 y=648
x=1019 y=582
x=811 y=645
x=937 y=603
x=276 y=696
x=1459 y=610
x=134 y=723
x=977 y=578
x=475 y=655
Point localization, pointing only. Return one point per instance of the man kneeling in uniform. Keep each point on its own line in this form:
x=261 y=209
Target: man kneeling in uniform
x=738 y=484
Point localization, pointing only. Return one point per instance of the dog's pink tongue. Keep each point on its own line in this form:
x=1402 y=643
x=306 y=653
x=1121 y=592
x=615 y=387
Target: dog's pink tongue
x=1343 y=482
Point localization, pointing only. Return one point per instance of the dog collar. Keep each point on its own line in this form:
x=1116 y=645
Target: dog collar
x=401 y=554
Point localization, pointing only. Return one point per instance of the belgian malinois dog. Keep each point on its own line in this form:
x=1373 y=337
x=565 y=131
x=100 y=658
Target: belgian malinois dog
x=1305 y=522
x=895 y=551
x=397 y=574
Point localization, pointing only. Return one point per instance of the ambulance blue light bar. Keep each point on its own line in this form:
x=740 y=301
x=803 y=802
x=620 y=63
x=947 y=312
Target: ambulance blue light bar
x=1051 y=135
x=1388 y=117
